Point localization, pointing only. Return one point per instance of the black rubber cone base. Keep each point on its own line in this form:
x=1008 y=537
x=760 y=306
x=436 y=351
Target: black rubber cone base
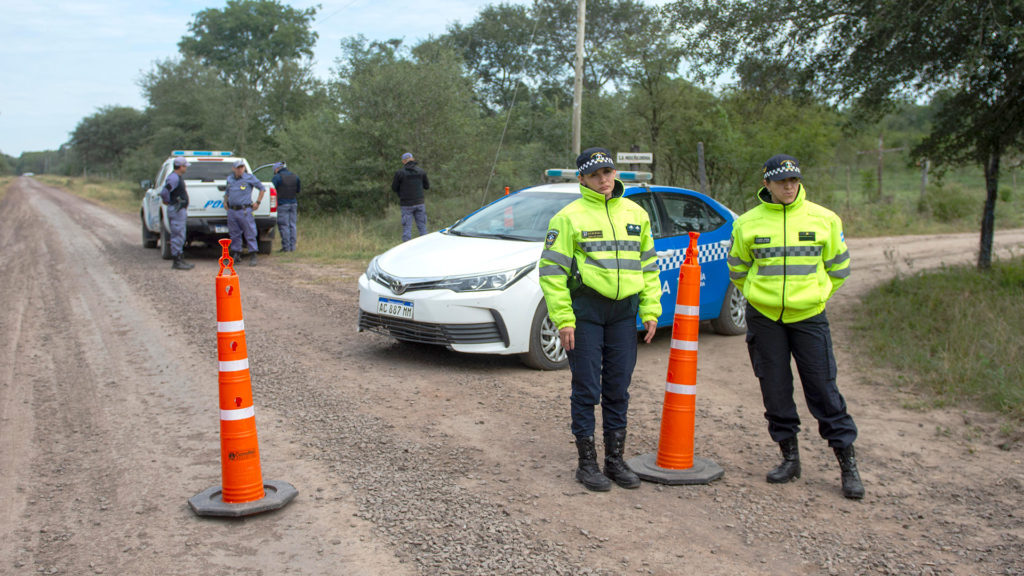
x=209 y=503
x=704 y=471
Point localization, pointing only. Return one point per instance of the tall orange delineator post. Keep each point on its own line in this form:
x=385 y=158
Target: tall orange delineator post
x=674 y=462
x=243 y=491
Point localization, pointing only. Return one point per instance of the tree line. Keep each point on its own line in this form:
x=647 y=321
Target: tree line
x=488 y=103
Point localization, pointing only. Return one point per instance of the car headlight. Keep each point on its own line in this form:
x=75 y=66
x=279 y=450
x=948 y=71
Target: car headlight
x=373 y=271
x=491 y=281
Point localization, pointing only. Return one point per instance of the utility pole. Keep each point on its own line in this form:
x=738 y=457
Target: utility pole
x=577 y=91
x=702 y=173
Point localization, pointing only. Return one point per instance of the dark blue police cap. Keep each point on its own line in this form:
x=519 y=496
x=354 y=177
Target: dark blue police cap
x=780 y=167
x=593 y=159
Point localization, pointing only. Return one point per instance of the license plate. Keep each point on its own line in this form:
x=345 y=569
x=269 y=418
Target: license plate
x=220 y=229
x=395 y=307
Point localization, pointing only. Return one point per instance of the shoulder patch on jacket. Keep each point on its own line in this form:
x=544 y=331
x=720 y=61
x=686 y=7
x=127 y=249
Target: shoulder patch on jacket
x=632 y=229
x=550 y=238
x=762 y=240
x=807 y=236
x=592 y=233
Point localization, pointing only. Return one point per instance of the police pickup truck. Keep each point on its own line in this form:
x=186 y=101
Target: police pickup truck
x=207 y=221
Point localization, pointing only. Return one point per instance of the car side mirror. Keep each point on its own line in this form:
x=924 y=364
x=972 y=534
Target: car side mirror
x=146 y=184
x=222 y=187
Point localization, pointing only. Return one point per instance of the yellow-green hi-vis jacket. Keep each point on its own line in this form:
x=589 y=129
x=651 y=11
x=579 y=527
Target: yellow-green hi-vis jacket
x=788 y=260
x=608 y=243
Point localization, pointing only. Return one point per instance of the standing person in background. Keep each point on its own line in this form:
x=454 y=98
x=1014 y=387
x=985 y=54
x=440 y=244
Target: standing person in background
x=599 y=270
x=789 y=257
x=409 y=183
x=175 y=197
x=239 y=204
x=288 y=186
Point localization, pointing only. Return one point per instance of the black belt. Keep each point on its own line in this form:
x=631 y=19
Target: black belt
x=239 y=206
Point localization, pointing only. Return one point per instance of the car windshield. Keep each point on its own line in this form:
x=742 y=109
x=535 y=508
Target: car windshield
x=523 y=216
x=207 y=171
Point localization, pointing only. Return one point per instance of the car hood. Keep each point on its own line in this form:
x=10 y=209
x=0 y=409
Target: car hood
x=439 y=255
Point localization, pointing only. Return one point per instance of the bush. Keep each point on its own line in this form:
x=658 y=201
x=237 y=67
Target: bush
x=947 y=203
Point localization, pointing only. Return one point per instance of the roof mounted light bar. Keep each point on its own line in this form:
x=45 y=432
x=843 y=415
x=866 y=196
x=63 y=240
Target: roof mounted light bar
x=202 y=153
x=625 y=176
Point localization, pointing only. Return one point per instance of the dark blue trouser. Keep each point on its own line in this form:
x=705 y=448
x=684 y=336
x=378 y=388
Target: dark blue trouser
x=603 y=360
x=410 y=213
x=809 y=341
x=241 y=223
x=287 y=215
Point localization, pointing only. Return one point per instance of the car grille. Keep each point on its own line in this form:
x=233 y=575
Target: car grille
x=426 y=333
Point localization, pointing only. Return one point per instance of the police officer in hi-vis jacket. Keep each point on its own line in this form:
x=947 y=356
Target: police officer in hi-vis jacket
x=598 y=270
x=788 y=257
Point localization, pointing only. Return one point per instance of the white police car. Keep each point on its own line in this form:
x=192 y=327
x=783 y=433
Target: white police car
x=473 y=287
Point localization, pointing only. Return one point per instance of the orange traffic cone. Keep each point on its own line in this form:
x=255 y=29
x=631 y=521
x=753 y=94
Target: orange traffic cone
x=675 y=463
x=244 y=491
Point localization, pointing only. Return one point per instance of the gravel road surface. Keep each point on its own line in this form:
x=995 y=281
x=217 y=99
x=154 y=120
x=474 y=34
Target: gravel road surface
x=416 y=460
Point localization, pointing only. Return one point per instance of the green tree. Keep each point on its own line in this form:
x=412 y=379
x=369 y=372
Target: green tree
x=872 y=53
x=103 y=140
x=249 y=43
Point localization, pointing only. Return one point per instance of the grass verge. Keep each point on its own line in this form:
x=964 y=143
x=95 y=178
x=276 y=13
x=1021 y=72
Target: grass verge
x=956 y=334
x=117 y=194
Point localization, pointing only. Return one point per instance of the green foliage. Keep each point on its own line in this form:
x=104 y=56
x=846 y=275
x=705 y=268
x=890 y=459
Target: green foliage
x=873 y=54
x=956 y=332
x=103 y=140
x=248 y=40
x=948 y=203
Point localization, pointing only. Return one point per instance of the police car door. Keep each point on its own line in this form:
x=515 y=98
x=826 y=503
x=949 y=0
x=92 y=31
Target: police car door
x=647 y=201
x=684 y=212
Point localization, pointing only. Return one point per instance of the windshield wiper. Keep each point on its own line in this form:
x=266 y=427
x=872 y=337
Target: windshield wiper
x=513 y=237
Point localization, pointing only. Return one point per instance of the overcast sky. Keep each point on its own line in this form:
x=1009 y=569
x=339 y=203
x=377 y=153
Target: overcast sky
x=62 y=60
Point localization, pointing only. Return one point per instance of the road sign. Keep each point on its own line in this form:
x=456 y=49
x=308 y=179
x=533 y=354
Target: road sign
x=634 y=158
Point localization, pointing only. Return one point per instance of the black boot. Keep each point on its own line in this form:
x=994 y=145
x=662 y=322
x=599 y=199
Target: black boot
x=252 y=259
x=234 y=256
x=588 y=473
x=180 y=264
x=614 y=466
x=852 y=486
x=790 y=466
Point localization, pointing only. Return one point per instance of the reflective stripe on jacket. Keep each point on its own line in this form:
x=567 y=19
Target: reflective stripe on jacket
x=788 y=260
x=610 y=241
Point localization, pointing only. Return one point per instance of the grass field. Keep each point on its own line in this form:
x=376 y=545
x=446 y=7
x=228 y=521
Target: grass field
x=116 y=194
x=955 y=334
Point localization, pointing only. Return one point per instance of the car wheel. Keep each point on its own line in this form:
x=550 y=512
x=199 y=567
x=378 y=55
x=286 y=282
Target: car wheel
x=546 y=352
x=732 y=319
x=149 y=239
x=165 y=242
x=265 y=246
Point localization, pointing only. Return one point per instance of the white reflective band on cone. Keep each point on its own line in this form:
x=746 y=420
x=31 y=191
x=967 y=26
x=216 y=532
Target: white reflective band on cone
x=236 y=365
x=684 y=310
x=684 y=345
x=240 y=414
x=687 y=389
x=235 y=326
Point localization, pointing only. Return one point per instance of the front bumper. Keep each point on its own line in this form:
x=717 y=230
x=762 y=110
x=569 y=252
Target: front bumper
x=487 y=322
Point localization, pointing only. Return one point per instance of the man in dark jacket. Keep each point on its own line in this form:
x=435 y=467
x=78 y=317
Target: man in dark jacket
x=409 y=183
x=288 y=187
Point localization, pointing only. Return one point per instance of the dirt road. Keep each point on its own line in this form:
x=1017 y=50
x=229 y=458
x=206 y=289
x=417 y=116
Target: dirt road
x=415 y=460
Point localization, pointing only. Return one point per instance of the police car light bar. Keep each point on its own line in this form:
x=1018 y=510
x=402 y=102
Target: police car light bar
x=626 y=176
x=201 y=153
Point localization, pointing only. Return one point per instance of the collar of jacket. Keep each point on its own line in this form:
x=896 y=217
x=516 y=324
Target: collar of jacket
x=592 y=196
x=766 y=199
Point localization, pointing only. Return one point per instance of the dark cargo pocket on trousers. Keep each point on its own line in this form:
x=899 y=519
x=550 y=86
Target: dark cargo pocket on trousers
x=755 y=356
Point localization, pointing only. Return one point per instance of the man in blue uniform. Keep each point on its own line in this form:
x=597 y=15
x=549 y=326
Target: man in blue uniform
x=288 y=186
x=175 y=197
x=239 y=205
